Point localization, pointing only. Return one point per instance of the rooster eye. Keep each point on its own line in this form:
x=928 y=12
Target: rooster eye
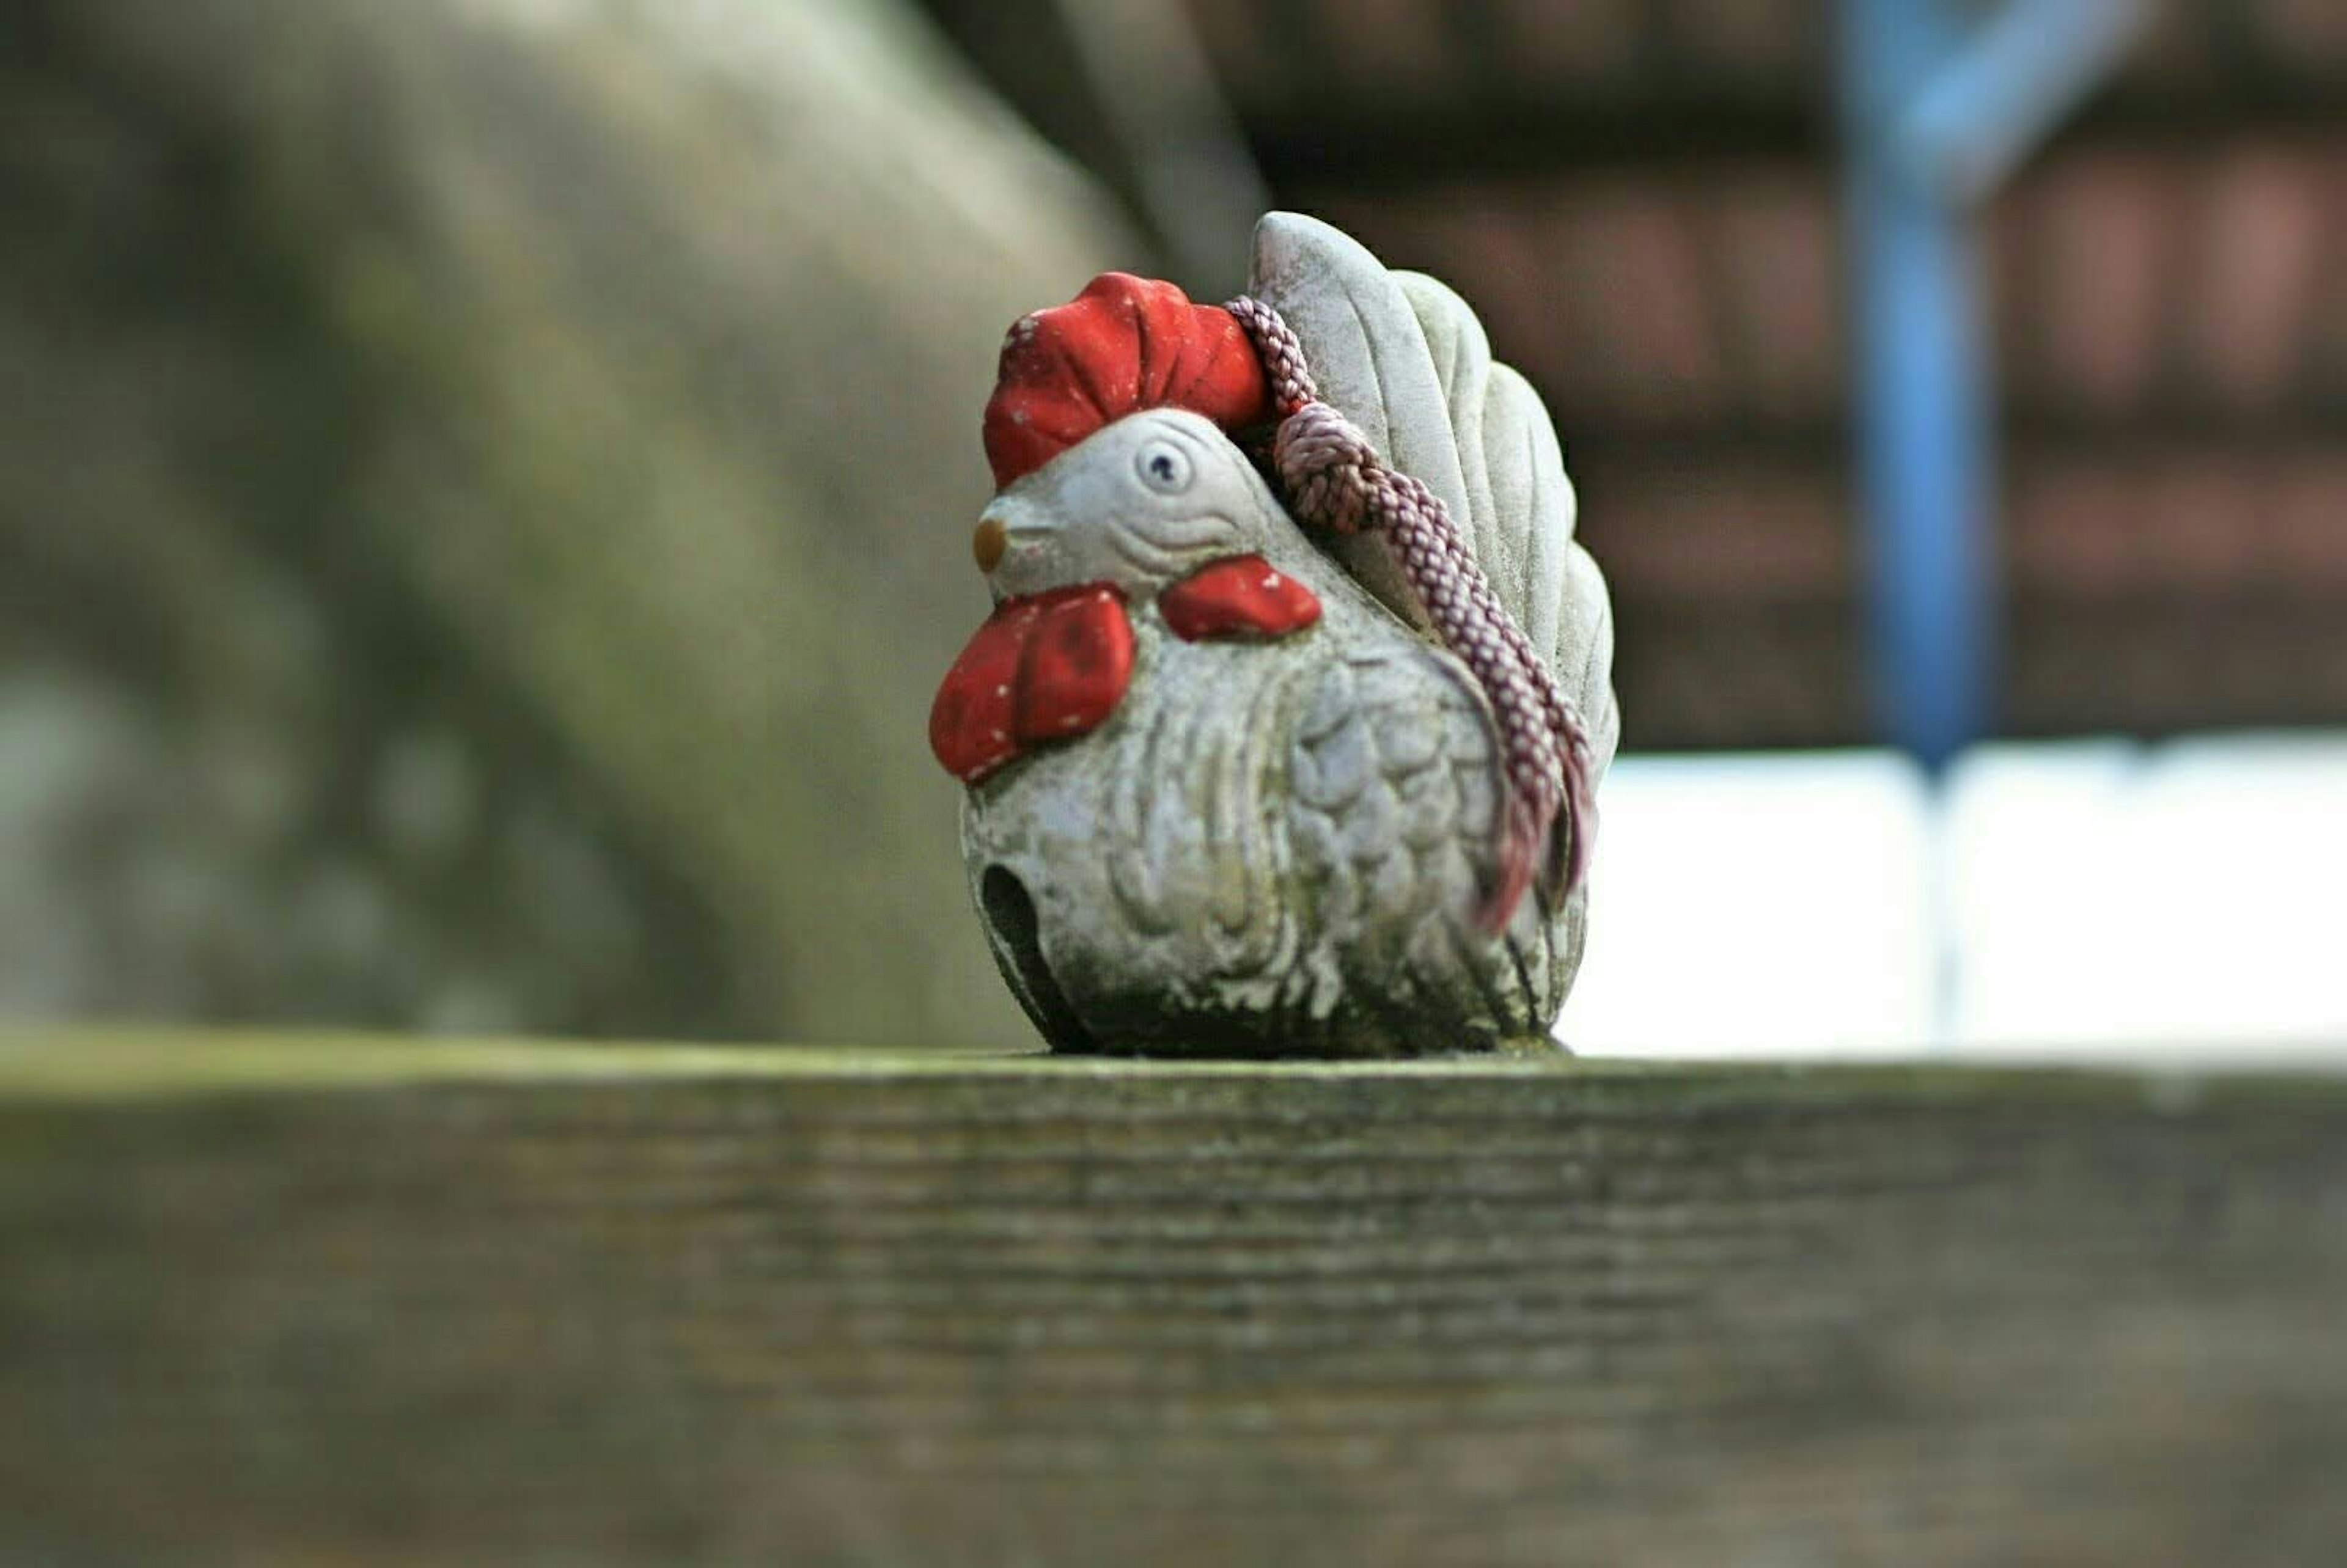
x=1164 y=468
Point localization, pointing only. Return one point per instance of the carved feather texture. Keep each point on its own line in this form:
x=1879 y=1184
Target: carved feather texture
x=1391 y=802
x=1406 y=360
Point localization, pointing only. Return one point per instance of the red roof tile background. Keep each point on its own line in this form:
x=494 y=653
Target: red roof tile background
x=1642 y=198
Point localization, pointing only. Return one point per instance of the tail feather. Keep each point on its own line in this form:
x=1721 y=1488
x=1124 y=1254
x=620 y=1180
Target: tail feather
x=1405 y=359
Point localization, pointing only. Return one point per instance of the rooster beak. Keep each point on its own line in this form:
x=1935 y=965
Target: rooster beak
x=988 y=542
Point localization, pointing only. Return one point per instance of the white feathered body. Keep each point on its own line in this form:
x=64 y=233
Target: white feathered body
x=1269 y=849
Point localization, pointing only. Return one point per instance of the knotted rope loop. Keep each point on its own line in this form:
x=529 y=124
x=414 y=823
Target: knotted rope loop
x=1336 y=480
x=1330 y=470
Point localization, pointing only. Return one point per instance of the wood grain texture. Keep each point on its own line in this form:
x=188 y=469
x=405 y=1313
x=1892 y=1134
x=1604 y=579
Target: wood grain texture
x=360 y=1301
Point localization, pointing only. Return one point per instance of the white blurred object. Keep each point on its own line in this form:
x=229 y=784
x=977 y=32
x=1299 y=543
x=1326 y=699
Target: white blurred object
x=2118 y=897
x=2054 y=901
x=1763 y=904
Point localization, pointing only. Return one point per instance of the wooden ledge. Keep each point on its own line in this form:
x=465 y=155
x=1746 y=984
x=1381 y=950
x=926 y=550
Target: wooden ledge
x=162 y=1061
x=338 y=1297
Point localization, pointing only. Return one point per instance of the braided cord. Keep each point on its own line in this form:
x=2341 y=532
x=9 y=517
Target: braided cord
x=1335 y=479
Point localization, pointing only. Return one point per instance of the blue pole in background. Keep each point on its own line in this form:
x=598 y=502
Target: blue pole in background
x=1921 y=421
x=1938 y=109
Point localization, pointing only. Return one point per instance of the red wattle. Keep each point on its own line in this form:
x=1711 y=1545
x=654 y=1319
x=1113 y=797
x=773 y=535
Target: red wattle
x=1076 y=666
x=1048 y=667
x=1243 y=596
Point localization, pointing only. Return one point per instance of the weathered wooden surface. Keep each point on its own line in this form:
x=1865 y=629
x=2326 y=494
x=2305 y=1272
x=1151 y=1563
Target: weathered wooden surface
x=365 y=1302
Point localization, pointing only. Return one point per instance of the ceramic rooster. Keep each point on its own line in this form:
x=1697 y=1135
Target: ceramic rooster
x=1271 y=751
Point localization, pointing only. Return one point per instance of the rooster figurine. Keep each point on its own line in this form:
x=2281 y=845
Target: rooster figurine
x=1284 y=736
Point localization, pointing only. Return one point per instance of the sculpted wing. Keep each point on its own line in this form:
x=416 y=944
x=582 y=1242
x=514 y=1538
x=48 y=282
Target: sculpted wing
x=1392 y=792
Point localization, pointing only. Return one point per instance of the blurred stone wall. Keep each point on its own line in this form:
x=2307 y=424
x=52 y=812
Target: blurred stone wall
x=483 y=493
